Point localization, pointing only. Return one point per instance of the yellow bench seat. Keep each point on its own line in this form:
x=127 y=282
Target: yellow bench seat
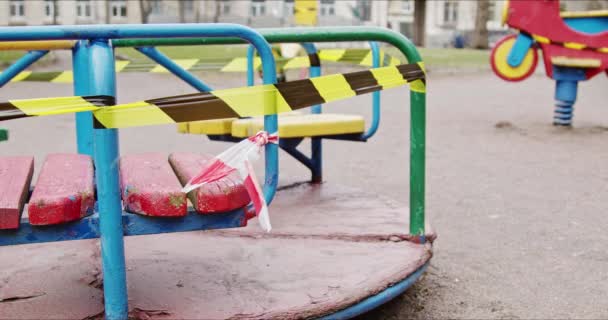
x=207 y=127
x=306 y=125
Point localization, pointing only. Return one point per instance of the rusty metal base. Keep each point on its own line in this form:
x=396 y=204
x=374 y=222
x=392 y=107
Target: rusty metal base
x=331 y=248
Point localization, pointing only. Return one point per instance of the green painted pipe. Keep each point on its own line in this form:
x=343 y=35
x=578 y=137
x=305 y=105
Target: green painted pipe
x=342 y=34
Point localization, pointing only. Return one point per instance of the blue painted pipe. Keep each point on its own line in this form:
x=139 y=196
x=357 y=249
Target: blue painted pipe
x=103 y=77
x=375 y=95
x=21 y=64
x=250 y=66
x=379 y=299
x=174 y=68
x=84 y=120
x=316 y=144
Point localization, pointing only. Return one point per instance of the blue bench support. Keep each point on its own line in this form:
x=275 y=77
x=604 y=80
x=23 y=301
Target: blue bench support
x=132 y=225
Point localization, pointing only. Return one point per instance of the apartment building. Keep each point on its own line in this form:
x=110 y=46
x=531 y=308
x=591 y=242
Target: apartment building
x=445 y=19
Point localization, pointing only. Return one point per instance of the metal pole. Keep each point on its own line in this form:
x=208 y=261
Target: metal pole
x=316 y=144
x=103 y=76
x=21 y=64
x=375 y=95
x=250 y=66
x=84 y=120
x=174 y=68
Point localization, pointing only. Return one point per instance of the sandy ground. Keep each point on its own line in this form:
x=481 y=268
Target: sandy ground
x=519 y=207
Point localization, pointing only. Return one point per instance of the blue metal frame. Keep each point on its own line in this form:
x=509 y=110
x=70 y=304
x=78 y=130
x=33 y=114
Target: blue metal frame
x=163 y=60
x=315 y=162
x=81 y=74
x=102 y=77
x=21 y=64
x=94 y=62
x=132 y=225
x=379 y=299
x=375 y=95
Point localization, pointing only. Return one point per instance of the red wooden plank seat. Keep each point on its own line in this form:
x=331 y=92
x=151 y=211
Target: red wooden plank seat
x=221 y=196
x=64 y=191
x=150 y=187
x=15 y=178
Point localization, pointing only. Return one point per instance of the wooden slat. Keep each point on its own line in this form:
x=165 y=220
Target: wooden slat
x=220 y=196
x=64 y=190
x=150 y=187
x=15 y=178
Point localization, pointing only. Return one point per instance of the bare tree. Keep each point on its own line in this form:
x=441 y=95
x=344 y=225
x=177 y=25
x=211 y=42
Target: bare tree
x=216 y=16
x=107 y=9
x=181 y=9
x=145 y=8
x=480 y=34
x=55 y=11
x=419 y=22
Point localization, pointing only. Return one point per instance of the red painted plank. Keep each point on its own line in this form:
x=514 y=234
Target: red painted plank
x=150 y=187
x=15 y=178
x=64 y=191
x=220 y=196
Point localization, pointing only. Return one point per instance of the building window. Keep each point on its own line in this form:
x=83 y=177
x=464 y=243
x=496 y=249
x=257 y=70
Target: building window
x=50 y=8
x=83 y=8
x=224 y=7
x=288 y=8
x=17 y=8
x=118 y=8
x=327 y=8
x=258 y=8
x=407 y=6
x=450 y=12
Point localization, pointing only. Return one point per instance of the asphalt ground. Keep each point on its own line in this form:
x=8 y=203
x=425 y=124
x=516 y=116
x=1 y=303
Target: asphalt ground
x=518 y=205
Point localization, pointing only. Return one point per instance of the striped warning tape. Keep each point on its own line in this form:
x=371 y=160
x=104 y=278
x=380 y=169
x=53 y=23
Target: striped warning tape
x=227 y=103
x=569 y=45
x=361 y=57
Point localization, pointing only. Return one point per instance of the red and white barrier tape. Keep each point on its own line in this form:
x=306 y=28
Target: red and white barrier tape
x=239 y=158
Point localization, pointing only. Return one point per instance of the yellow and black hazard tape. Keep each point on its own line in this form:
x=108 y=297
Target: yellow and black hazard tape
x=569 y=45
x=15 y=109
x=226 y=103
x=361 y=57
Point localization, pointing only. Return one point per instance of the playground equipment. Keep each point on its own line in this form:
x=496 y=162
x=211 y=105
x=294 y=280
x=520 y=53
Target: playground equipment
x=293 y=129
x=94 y=81
x=574 y=47
x=362 y=57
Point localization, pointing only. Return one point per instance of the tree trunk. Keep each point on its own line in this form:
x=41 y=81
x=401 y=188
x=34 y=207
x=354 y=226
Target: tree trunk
x=419 y=22
x=55 y=12
x=182 y=11
x=197 y=12
x=480 y=34
x=216 y=17
x=107 y=9
x=145 y=8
